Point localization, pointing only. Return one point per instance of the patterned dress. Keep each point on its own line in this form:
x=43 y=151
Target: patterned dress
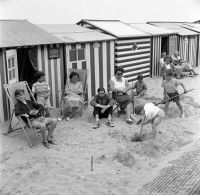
x=72 y=99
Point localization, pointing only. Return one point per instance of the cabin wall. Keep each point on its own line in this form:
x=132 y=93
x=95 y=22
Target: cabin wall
x=99 y=61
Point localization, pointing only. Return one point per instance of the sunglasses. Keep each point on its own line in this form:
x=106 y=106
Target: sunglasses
x=119 y=73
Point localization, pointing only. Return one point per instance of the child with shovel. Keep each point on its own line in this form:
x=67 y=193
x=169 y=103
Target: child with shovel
x=170 y=91
x=152 y=114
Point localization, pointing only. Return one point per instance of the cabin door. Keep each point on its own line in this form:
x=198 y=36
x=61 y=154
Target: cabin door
x=172 y=45
x=12 y=66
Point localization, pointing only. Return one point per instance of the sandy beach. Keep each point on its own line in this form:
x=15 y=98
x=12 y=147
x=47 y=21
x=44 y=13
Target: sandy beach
x=120 y=166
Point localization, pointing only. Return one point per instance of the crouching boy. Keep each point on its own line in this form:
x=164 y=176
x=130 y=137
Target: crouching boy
x=152 y=114
x=34 y=111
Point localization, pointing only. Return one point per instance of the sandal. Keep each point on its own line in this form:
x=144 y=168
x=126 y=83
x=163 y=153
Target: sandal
x=59 y=119
x=110 y=124
x=96 y=125
x=52 y=142
x=46 y=144
x=129 y=120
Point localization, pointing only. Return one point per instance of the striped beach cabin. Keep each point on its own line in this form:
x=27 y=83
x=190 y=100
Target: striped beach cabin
x=132 y=47
x=162 y=40
x=25 y=48
x=196 y=28
x=86 y=49
x=187 y=41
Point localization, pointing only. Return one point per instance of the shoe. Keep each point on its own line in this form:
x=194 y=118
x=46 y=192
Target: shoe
x=52 y=142
x=59 y=119
x=129 y=120
x=139 y=121
x=96 y=125
x=110 y=124
x=46 y=144
x=182 y=115
x=68 y=119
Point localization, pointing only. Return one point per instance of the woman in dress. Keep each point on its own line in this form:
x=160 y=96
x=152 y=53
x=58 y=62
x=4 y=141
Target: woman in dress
x=73 y=96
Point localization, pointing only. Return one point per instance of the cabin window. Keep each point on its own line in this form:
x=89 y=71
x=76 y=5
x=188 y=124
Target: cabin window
x=76 y=55
x=11 y=68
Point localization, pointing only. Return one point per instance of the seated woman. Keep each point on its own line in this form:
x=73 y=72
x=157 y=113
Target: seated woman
x=120 y=86
x=182 y=66
x=167 y=65
x=73 y=96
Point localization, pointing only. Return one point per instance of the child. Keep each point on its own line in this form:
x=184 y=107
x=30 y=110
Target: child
x=140 y=86
x=42 y=90
x=34 y=112
x=170 y=90
x=152 y=114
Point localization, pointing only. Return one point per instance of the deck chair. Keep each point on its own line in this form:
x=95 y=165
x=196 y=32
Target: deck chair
x=10 y=90
x=83 y=79
x=117 y=105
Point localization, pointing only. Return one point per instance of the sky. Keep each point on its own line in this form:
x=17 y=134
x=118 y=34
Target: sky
x=72 y=11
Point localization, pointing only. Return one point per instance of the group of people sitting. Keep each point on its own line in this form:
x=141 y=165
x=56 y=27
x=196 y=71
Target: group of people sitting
x=102 y=102
x=179 y=67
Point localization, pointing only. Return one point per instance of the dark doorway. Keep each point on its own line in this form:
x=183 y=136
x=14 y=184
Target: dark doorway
x=25 y=67
x=164 y=45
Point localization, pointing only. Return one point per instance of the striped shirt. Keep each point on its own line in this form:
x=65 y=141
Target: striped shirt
x=41 y=88
x=140 y=86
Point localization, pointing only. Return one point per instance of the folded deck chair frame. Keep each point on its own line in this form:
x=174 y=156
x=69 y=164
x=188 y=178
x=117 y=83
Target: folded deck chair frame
x=10 y=90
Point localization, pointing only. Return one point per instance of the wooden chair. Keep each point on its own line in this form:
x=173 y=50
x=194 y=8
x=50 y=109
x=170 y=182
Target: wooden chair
x=10 y=90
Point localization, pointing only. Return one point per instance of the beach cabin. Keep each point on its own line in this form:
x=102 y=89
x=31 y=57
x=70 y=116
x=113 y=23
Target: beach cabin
x=24 y=49
x=86 y=49
x=186 y=42
x=161 y=40
x=132 y=46
x=196 y=28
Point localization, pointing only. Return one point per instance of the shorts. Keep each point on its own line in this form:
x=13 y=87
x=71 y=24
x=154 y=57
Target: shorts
x=97 y=110
x=172 y=95
x=159 y=117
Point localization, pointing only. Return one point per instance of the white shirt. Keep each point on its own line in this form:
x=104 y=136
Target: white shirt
x=119 y=85
x=150 y=110
x=168 y=66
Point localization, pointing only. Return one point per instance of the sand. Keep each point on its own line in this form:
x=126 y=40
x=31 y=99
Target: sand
x=119 y=165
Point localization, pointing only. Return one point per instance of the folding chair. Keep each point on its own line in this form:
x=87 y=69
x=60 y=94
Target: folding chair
x=117 y=104
x=83 y=79
x=10 y=90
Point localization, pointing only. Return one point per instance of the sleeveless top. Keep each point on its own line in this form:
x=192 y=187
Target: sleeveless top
x=118 y=84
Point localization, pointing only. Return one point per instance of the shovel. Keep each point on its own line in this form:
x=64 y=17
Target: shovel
x=163 y=101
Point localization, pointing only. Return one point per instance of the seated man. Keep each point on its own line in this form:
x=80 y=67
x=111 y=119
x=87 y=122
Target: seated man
x=34 y=112
x=182 y=65
x=103 y=107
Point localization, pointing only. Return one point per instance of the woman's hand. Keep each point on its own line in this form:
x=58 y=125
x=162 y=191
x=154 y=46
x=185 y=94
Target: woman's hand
x=33 y=112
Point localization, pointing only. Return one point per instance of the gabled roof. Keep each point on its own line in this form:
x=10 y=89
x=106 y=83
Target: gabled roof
x=72 y=33
x=192 y=26
x=153 y=30
x=174 y=26
x=115 y=28
x=15 y=33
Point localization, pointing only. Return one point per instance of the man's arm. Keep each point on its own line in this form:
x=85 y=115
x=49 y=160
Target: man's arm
x=95 y=104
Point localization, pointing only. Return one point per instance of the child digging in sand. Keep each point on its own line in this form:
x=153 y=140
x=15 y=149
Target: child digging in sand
x=152 y=114
x=170 y=90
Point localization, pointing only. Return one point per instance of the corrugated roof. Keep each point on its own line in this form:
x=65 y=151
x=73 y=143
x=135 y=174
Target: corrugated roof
x=72 y=33
x=173 y=26
x=192 y=26
x=116 y=28
x=15 y=33
x=153 y=30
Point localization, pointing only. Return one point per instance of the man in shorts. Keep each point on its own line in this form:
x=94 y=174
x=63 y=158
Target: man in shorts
x=35 y=112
